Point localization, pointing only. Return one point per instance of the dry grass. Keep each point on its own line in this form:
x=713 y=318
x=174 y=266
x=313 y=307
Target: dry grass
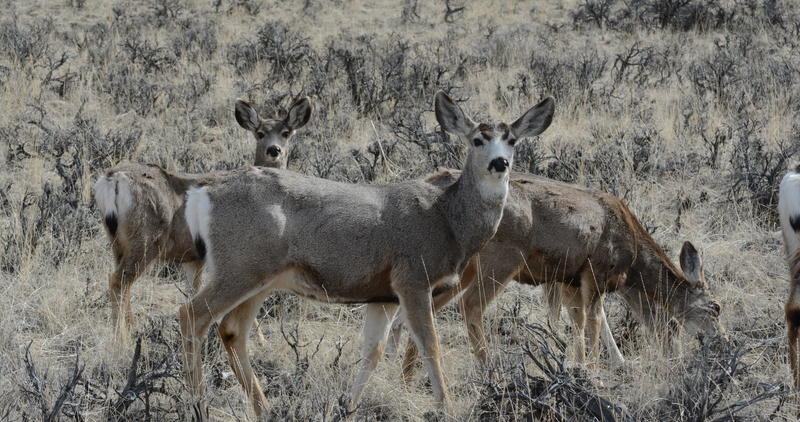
x=689 y=113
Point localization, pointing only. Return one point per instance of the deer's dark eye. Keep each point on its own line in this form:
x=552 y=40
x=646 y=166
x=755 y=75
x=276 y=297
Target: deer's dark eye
x=286 y=133
x=512 y=141
x=260 y=134
x=477 y=142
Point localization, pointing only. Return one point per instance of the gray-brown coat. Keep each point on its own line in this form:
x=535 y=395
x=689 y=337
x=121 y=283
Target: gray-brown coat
x=588 y=243
x=265 y=230
x=138 y=203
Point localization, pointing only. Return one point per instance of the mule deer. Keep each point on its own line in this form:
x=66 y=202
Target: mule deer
x=139 y=201
x=586 y=243
x=789 y=210
x=383 y=245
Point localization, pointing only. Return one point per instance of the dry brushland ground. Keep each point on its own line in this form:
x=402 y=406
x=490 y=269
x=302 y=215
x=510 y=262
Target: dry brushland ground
x=686 y=109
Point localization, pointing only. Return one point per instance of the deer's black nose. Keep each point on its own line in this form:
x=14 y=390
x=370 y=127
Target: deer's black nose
x=715 y=308
x=499 y=164
x=274 y=151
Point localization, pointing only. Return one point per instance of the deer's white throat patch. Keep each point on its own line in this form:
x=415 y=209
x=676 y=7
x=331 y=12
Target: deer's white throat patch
x=493 y=186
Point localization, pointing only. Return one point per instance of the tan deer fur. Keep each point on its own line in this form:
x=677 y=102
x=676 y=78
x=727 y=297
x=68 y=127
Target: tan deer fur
x=384 y=245
x=585 y=243
x=138 y=203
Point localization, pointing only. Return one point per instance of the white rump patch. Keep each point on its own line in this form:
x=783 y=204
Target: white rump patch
x=113 y=194
x=198 y=218
x=789 y=208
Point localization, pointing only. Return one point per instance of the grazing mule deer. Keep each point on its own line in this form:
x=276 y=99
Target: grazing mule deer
x=584 y=243
x=138 y=203
x=789 y=210
x=384 y=245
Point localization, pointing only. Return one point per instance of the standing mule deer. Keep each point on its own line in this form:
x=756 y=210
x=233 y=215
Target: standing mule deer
x=789 y=210
x=584 y=243
x=139 y=202
x=384 y=245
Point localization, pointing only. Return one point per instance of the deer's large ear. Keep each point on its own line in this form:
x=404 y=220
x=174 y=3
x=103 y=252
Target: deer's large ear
x=450 y=116
x=535 y=120
x=691 y=264
x=299 y=113
x=246 y=115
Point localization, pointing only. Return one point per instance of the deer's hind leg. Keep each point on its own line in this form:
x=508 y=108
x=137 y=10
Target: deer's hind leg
x=131 y=263
x=571 y=298
x=489 y=282
x=591 y=294
x=233 y=331
x=214 y=301
x=193 y=270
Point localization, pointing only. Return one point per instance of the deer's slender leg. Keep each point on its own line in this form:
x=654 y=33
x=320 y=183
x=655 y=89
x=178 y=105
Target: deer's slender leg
x=440 y=300
x=792 y=311
x=473 y=306
x=377 y=319
x=592 y=300
x=608 y=339
x=194 y=273
x=233 y=331
x=128 y=270
x=211 y=303
x=393 y=342
x=417 y=306
x=571 y=298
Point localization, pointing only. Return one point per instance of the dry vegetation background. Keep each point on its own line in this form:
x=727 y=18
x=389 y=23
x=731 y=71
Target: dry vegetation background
x=687 y=109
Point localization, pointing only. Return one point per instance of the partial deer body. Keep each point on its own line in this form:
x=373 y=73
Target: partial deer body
x=581 y=244
x=138 y=203
x=385 y=245
x=789 y=210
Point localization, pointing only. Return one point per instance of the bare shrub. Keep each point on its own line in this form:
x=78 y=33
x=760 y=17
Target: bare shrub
x=27 y=44
x=145 y=383
x=555 y=392
x=287 y=52
x=36 y=388
x=596 y=12
x=132 y=89
x=574 y=74
x=756 y=168
x=196 y=40
x=148 y=54
x=701 y=391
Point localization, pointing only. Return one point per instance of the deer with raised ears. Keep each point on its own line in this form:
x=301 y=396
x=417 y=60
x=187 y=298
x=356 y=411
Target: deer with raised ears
x=581 y=244
x=139 y=204
x=789 y=211
x=272 y=135
x=384 y=245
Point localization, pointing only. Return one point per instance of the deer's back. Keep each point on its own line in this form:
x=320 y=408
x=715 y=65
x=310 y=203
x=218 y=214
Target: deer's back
x=553 y=230
x=345 y=236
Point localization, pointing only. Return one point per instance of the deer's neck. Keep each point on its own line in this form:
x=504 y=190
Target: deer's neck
x=658 y=278
x=474 y=207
